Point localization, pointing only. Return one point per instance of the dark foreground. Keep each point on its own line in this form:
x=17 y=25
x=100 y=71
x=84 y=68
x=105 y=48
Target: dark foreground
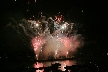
x=54 y=68
x=26 y=66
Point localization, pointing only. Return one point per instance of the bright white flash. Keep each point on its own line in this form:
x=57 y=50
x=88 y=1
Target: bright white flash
x=67 y=52
x=37 y=24
x=63 y=26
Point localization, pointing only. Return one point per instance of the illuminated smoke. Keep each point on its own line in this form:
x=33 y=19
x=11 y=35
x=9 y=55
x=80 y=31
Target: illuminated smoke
x=58 y=44
x=62 y=42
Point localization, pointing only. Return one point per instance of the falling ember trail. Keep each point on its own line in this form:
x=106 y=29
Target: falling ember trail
x=36 y=43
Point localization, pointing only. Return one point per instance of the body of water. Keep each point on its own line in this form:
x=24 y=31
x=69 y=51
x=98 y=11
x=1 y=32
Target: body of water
x=62 y=64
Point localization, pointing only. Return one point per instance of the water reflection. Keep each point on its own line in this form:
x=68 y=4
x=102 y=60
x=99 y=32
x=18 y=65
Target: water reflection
x=63 y=63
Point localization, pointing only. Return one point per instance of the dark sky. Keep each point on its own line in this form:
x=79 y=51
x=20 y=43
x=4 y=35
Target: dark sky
x=93 y=18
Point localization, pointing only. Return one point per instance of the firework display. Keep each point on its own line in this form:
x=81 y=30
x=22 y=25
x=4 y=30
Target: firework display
x=51 y=37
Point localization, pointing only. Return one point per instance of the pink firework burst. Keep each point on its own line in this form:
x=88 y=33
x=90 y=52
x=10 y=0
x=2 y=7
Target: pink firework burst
x=66 y=42
x=70 y=43
x=37 y=42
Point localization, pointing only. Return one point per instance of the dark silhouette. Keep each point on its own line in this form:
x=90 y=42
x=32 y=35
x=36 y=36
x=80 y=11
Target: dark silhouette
x=51 y=24
x=44 y=23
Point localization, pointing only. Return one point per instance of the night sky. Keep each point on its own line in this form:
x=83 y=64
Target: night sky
x=91 y=14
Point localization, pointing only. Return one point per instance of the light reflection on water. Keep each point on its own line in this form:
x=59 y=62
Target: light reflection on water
x=63 y=63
